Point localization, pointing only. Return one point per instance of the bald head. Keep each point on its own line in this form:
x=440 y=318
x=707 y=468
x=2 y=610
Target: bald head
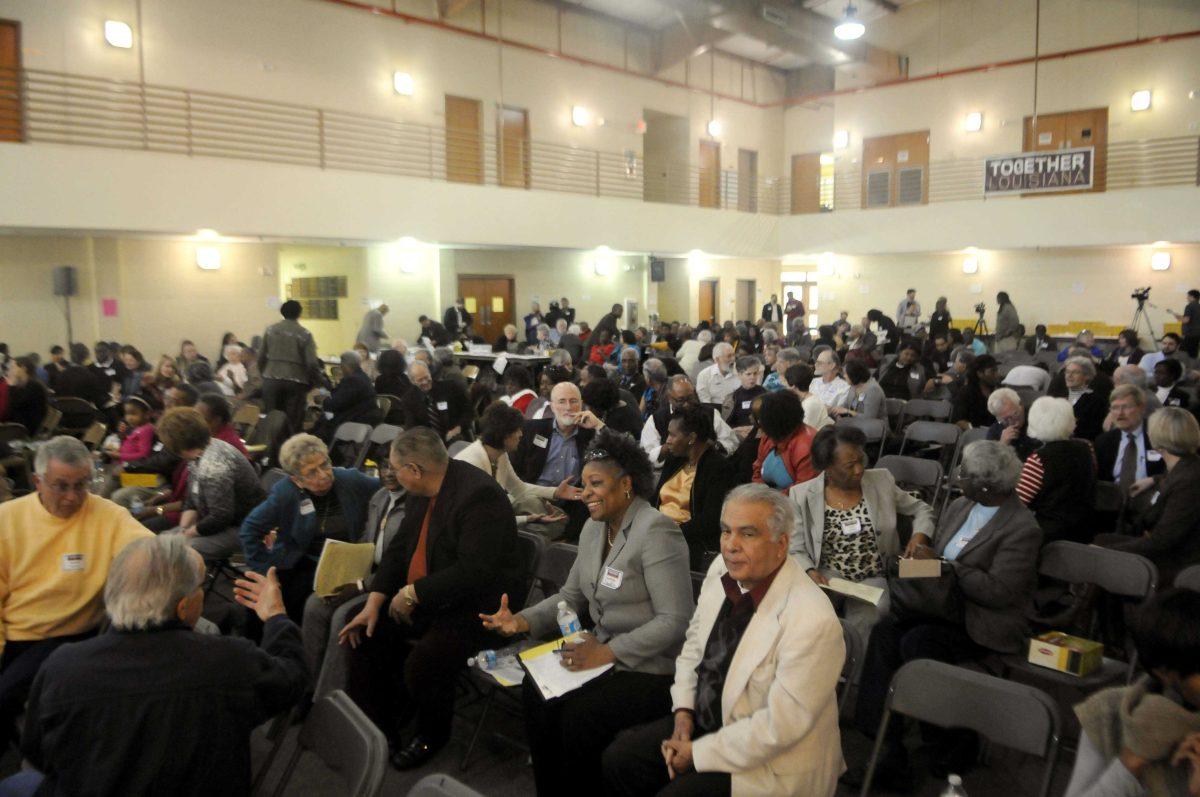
x=419 y=373
x=566 y=402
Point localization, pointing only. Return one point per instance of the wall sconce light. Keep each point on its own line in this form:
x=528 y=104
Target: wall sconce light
x=973 y=122
x=118 y=34
x=970 y=264
x=208 y=257
x=1160 y=261
x=403 y=84
x=841 y=139
x=1140 y=100
x=580 y=116
x=714 y=128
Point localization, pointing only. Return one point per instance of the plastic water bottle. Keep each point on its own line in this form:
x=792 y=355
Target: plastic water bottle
x=954 y=787
x=491 y=660
x=568 y=621
x=138 y=506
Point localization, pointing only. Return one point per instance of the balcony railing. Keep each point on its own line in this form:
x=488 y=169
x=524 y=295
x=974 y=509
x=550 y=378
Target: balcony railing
x=53 y=107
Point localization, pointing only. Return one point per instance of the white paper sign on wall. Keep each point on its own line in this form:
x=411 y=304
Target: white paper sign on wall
x=1045 y=138
x=976 y=287
x=902 y=156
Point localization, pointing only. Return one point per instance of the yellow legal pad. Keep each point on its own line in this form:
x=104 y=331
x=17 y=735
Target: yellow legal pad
x=342 y=563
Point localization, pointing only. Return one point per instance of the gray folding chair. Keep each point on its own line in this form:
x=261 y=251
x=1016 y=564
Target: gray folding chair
x=339 y=733
x=270 y=477
x=349 y=444
x=441 y=785
x=1189 y=578
x=964 y=439
x=697 y=584
x=914 y=472
x=926 y=409
x=555 y=565
x=456 y=447
x=855 y=648
x=1008 y=714
x=874 y=428
x=1118 y=573
x=894 y=409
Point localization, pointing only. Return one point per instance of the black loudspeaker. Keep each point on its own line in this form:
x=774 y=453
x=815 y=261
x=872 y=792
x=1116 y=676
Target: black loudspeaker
x=658 y=270
x=64 y=281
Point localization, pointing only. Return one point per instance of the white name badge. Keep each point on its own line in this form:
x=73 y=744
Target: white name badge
x=962 y=543
x=851 y=526
x=540 y=441
x=73 y=562
x=612 y=578
x=196 y=488
x=157 y=447
x=1153 y=456
x=1154 y=499
x=745 y=405
x=443 y=405
x=306 y=507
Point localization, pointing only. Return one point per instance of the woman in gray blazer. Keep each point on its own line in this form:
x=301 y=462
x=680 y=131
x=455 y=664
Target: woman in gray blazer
x=631 y=580
x=990 y=542
x=866 y=398
x=846 y=522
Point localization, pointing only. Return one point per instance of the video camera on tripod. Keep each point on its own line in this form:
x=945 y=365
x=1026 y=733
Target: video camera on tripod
x=981 y=308
x=1140 y=294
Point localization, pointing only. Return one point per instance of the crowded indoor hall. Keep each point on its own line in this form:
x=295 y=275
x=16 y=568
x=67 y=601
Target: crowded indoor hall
x=506 y=397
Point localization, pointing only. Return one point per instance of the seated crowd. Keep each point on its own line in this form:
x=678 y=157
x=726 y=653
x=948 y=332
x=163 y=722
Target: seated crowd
x=720 y=485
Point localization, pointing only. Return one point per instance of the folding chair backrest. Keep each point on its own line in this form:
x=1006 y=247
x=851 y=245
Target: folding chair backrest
x=1116 y=572
x=531 y=547
x=12 y=431
x=77 y=414
x=349 y=444
x=855 y=647
x=697 y=584
x=271 y=477
x=395 y=412
x=50 y=422
x=379 y=444
x=946 y=434
x=873 y=428
x=456 y=447
x=384 y=403
x=914 y=472
x=555 y=565
x=341 y=735
x=1008 y=713
x=271 y=432
x=935 y=409
x=894 y=408
x=1189 y=578
x=246 y=418
x=94 y=435
x=441 y=785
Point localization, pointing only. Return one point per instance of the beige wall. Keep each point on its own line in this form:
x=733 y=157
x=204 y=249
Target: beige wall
x=679 y=295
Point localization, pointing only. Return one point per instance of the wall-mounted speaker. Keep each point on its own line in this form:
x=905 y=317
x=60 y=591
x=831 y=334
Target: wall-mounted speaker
x=64 y=281
x=658 y=270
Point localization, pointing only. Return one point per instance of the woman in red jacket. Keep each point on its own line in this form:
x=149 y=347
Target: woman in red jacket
x=785 y=450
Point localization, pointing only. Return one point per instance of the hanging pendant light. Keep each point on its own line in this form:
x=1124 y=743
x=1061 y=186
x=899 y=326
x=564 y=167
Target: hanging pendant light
x=849 y=28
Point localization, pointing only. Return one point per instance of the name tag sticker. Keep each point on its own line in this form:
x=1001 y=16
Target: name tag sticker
x=196 y=488
x=306 y=507
x=443 y=405
x=1154 y=499
x=158 y=447
x=612 y=578
x=73 y=562
x=851 y=526
x=745 y=405
x=1153 y=456
x=540 y=441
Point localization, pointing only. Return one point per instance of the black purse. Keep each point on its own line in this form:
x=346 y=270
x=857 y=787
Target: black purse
x=917 y=600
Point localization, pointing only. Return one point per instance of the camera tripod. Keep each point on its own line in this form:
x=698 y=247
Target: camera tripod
x=1142 y=318
x=981 y=327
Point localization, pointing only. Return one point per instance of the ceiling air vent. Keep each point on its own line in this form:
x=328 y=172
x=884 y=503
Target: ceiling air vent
x=776 y=16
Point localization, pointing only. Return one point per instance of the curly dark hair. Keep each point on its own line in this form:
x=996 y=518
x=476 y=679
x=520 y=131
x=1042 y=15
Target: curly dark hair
x=518 y=378
x=600 y=395
x=697 y=420
x=498 y=421
x=621 y=452
x=780 y=415
x=391 y=363
x=828 y=439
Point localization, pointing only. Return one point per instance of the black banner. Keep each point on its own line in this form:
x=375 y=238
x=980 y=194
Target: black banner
x=1036 y=172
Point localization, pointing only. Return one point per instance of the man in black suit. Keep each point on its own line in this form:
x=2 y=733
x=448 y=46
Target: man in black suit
x=1167 y=374
x=1114 y=460
x=772 y=311
x=81 y=380
x=552 y=449
x=566 y=311
x=439 y=405
x=457 y=319
x=431 y=329
x=453 y=557
x=352 y=399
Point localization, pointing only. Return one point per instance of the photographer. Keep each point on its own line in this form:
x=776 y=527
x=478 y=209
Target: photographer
x=1189 y=320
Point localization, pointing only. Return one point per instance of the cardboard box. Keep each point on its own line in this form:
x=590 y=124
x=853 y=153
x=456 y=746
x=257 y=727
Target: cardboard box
x=920 y=568
x=1065 y=653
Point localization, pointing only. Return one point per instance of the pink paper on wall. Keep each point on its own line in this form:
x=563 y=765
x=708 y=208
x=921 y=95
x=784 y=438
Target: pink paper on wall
x=108 y=307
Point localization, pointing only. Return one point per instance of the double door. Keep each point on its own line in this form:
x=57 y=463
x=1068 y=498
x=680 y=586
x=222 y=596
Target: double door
x=490 y=301
x=1054 y=131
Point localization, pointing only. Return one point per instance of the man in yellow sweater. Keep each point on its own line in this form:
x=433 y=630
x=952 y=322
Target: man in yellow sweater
x=55 y=549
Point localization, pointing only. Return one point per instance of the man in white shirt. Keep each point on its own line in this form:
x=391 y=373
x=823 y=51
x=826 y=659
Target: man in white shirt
x=908 y=312
x=679 y=393
x=689 y=352
x=830 y=388
x=720 y=379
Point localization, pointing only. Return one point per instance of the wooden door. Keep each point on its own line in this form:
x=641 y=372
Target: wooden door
x=464 y=145
x=747 y=301
x=895 y=170
x=710 y=174
x=1087 y=128
x=806 y=183
x=513 y=152
x=11 y=118
x=748 y=180
x=490 y=301
x=708 y=301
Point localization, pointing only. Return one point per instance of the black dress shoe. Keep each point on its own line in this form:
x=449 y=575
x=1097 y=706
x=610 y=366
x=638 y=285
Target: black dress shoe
x=415 y=754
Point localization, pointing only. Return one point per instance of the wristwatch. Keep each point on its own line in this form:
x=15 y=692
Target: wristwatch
x=159 y=511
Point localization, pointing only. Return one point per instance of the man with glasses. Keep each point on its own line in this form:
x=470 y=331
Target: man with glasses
x=552 y=449
x=680 y=393
x=441 y=406
x=55 y=551
x=1124 y=455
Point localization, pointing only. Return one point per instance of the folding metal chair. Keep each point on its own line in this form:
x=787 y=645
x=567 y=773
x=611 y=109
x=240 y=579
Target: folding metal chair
x=379 y=443
x=49 y=423
x=456 y=447
x=855 y=648
x=1118 y=573
x=267 y=438
x=94 y=435
x=349 y=444
x=270 y=477
x=10 y=432
x=555 y=566
x=1008 y=714
x=341 y=735
x=874 y=428
x=926 y=409
x=914 y=473
x=894 y=409
x=245 y=419
x=1189 y=578
x=938 y=437
x=965 y=439
x=76 y=414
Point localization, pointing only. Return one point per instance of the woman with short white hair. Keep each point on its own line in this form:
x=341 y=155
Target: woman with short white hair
x=232 y=375
x=1058 y=480
x=1090 y=407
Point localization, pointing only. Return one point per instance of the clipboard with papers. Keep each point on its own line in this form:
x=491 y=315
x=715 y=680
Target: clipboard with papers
x=544 y=665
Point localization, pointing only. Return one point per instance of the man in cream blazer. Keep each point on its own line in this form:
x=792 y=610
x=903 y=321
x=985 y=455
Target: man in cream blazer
x=755 y=710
